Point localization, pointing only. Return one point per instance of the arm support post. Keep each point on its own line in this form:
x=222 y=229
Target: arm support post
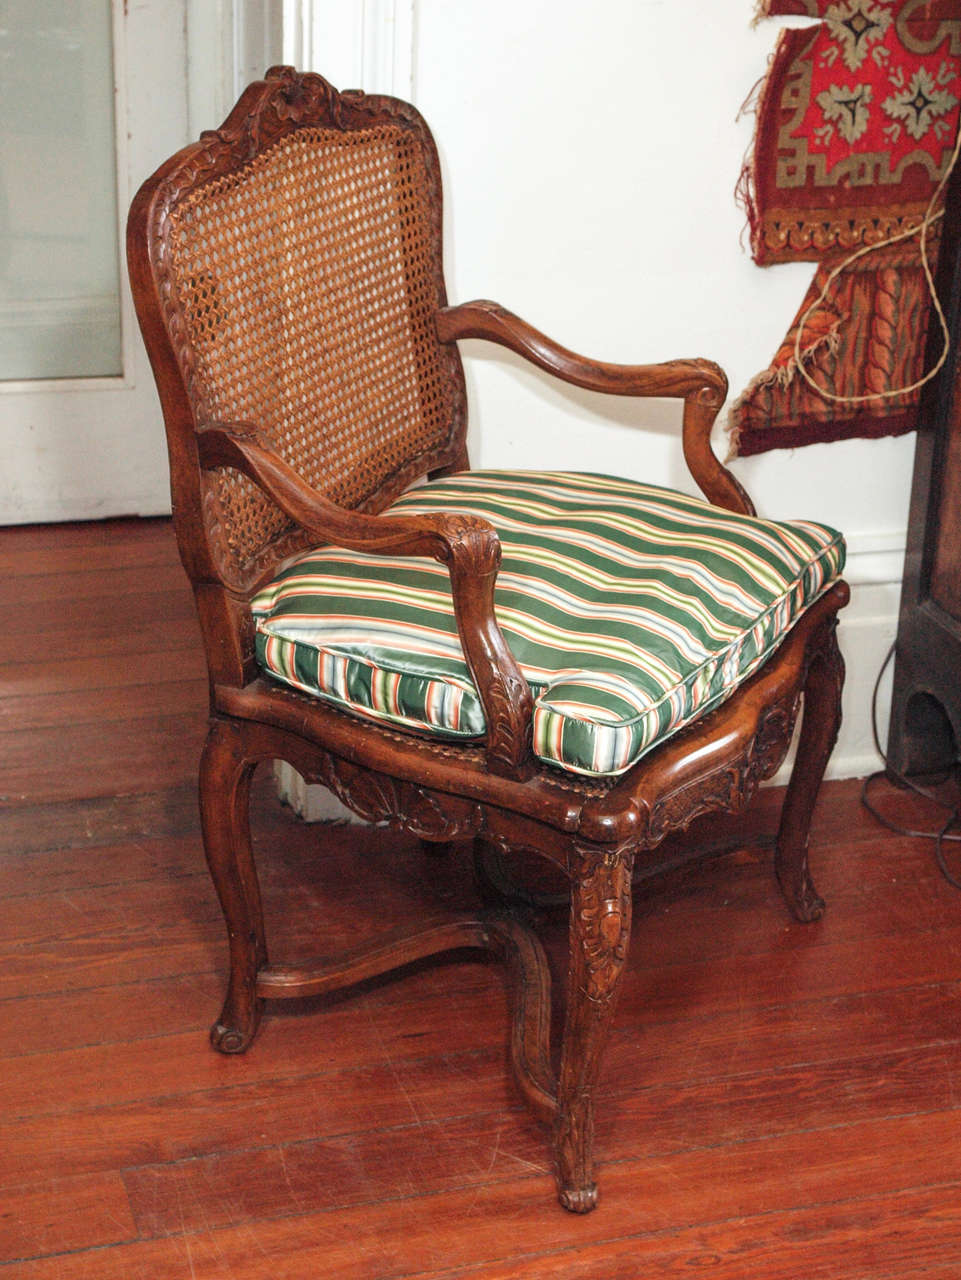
x=467 y=545
x=701 y=384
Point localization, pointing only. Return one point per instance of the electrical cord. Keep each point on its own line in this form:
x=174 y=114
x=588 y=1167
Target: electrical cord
x=943 y=833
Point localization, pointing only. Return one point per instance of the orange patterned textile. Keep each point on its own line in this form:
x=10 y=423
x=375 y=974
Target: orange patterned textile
x=868 y=336
x=857 y=121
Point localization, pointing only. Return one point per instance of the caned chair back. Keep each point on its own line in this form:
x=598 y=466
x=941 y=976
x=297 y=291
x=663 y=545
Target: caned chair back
x=296 y=258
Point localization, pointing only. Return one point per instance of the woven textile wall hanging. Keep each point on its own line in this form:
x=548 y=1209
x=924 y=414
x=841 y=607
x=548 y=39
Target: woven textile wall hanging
x=857 y=122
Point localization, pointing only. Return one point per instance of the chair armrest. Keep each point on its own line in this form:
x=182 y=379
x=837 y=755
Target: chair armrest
x=701 y=384
x=467 y=545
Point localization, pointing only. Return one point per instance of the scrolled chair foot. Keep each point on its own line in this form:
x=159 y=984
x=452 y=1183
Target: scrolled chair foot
x=803 y=900
x=226 y=1039
x=819 y=731
x=805 y=903
x=580 y=1199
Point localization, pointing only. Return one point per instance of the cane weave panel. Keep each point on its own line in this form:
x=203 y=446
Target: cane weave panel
x=307 y=281
x=632 y=610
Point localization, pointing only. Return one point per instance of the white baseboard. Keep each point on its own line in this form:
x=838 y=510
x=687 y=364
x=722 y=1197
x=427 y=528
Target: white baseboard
x=310 y=802
x=867 y=630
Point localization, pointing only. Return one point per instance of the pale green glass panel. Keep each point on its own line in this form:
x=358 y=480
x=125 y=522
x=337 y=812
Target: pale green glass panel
x=59 y=275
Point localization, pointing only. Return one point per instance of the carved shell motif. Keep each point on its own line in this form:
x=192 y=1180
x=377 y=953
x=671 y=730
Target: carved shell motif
x=378 y=798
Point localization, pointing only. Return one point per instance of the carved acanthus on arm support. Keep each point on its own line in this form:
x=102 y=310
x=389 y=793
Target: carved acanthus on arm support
x=467 y=545
x=701 y=384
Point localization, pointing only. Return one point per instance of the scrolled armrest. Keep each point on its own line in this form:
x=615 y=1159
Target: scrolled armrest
x=701 y=384
x=484 y=319
x=466 y=544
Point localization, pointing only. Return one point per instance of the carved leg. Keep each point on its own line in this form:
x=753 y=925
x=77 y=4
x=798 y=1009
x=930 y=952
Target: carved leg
x=599 y=934
x=819 y=731
x=225 y=775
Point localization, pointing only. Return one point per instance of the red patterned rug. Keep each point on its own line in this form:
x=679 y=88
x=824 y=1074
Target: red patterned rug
x=857 y=121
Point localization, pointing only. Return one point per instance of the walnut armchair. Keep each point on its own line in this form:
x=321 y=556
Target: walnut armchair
x=287 y=276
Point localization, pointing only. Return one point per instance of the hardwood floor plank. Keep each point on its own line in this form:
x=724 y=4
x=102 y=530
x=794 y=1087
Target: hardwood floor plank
x=346 y=1109
x=407 y=1162
x=128 y=669
x=91 y=583
x=664 y=1117
x=898 y=1234
x=136 y=702
x=768 y=1174
x=154 y=856
x=52 y=539
x=119 y=910
x=64 y=1216
x=152 y=990
x=86 y=844
x=127 y=553
x=81 y=824
x=162 y=634
x=106 y=759
x=183 y=1063
x=67 y=620
x=657 y=1032
x=244 y=1113
x=84 y=1018
x=61 y=969
x=896 y=1237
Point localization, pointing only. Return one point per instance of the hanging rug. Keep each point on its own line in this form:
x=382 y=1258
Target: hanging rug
x=856 y=122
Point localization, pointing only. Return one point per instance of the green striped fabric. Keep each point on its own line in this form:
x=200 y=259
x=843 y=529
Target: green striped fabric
x=631 y=610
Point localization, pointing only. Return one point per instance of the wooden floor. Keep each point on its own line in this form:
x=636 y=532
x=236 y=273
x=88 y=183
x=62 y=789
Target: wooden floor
x=780 y=1101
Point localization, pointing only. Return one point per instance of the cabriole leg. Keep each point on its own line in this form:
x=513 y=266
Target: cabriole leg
x=225 y=775
x=819 y=731
x=599 y=934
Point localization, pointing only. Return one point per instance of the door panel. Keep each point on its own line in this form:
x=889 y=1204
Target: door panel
x=59 y=273
x=93 y=99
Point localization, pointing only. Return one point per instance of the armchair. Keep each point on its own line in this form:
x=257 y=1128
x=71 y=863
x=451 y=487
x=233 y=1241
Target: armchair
x=572 y=666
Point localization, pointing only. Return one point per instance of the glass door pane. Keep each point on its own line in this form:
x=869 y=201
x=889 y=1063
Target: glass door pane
x=59 y=273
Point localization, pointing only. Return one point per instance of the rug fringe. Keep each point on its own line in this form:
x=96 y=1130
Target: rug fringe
x=781 y=376
x=746 y=200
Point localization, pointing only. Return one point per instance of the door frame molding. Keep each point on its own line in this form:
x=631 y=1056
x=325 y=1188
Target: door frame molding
x=367 y=44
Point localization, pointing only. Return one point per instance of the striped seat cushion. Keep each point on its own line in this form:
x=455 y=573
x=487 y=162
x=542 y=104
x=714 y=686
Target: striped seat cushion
x=631 y=610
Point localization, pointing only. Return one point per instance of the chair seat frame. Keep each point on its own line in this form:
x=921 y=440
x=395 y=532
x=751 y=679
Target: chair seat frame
x=494 y=792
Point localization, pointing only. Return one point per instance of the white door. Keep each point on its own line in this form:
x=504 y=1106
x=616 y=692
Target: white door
x=93 y=99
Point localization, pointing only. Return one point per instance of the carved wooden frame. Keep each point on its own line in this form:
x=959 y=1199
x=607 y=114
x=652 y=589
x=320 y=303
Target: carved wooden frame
x=594 y=831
